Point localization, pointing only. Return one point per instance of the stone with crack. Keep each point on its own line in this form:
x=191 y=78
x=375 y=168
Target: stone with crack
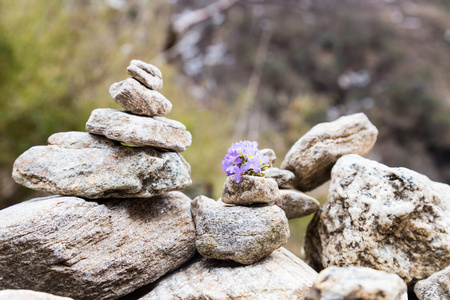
x=85 y=165
x=147 y=74
x=93 y=249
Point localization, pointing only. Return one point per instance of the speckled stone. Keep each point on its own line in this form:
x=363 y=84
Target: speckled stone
x=145 y=73
x=251 y=189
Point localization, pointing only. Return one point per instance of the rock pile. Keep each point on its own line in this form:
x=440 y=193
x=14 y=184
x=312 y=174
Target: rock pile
x=92 y=166
x=103 y=249
x=381 y=231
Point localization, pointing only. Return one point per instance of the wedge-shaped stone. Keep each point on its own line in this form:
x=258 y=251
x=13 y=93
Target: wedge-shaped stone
x=282 y=177
x=357 y=283
x=281 y=275
x=239 y=233
x=146 y=73
x=93 y=250
x=390 y=219
x=158 y=132
x=85 y=165
x=251 y=189
x=435 y=287
x=297 y=204
x=314 y=154
x=138 y=99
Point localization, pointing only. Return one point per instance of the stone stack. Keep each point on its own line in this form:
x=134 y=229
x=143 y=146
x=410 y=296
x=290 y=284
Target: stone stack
x=133 y=153
x=103 y=249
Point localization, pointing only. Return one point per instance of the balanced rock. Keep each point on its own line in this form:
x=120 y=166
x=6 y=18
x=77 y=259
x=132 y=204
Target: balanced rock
x=282 y=177
x=314 y=154
x=281 y=275
x=390 y=219
x=240 y=233
x=145 y=73
x=270 y=154
x=28 y=295
x=297 y=204
x=136 y=98
x=93 y=250
x=357 y=283
x=435 y=287
x=90 y=166
x=251 y=189
x=157 y=132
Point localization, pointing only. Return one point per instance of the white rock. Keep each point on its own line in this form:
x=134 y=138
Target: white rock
x=357 y=283
x=390 y=219
x=28 y=295
x=435 y=287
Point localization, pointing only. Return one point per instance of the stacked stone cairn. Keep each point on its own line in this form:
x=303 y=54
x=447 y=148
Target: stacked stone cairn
x=122 y=229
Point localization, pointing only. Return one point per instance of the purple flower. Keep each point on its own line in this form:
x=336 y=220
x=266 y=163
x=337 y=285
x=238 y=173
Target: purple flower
x=244 y=158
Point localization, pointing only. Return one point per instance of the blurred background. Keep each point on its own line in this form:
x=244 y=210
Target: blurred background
x=260 y=70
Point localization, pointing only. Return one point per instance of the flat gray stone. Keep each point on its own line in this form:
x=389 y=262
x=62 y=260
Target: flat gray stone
x=357 y=283
x=281 y=275
x=157 y=132
x=147 y=74
x=28 y=295
x=93 y=250
x=314 y=154
x=390 y=219
x=85 y=165
x=435 y=287
x=282 y=177
x=138 y=99
x=240 y=233
x=297 y=204
x=251 y=189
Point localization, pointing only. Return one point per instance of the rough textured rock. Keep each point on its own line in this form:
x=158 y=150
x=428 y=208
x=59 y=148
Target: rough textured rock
x=297 y=204
x=390 y=219
x=85 y=165
x=240 y=233
x=357 y=283
x=201 y=202
x=158 y=132
x=28 y=295
x=314 y=154
x=147 y=74
x=251 y=189
x=435 y=287
x=270 y=154
x=136 y=98
x=282 y=177
x=281 y=275
x=93 y=250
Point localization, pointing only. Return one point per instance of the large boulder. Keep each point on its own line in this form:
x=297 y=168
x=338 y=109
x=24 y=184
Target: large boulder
x=156 y=132
x=357 y=283
x=85 y=165
x=314 y=154
x=93 y=250
x=281 y=275
x=390 y=219
x=435 y=287
x=244 y=234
